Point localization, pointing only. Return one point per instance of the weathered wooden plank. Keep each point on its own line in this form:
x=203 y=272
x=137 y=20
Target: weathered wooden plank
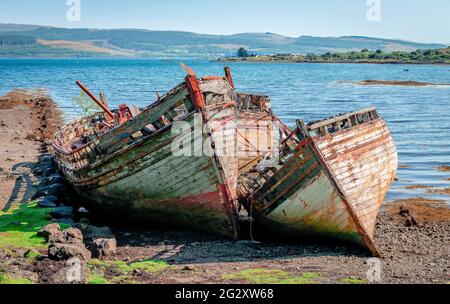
x=321 y=212
x=364 y=161
x=144 y=174
x=122 y=134
x=340 y=118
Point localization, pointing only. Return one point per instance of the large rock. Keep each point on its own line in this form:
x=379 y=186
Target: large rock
x=51 y=233
x=73 y=236
x=92 y=232
x=99 y=240
x=103 y=247
x=63 y=252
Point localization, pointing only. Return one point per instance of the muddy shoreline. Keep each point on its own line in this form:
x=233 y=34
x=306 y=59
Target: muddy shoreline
x=28 y=120
x=399 y=83
x=412 y=235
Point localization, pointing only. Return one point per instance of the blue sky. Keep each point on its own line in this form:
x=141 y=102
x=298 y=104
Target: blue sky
x=417 y=20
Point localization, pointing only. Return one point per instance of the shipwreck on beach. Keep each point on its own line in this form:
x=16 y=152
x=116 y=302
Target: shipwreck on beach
x=204 y=157
x=331 y=180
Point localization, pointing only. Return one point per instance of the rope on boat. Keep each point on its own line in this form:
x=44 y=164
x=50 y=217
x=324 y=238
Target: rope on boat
x=253 y=241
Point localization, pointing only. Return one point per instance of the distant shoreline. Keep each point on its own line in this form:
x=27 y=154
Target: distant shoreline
x=331 y=62
x=225 y=60
x=365 y=56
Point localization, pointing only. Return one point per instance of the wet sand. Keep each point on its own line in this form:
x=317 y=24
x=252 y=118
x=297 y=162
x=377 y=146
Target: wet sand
x=28 y=120
x=399 y=83
x=416 y=187
x=443 y=169
x=404 y=166
x=430 y=189
x=445 y=191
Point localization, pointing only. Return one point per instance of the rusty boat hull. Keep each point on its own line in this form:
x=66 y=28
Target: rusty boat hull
x=138 y=170
x=330 y=182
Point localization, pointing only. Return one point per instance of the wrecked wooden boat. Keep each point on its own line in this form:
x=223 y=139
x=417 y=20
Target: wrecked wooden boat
x=162 y=165
x=202 y=151
x=331 y=180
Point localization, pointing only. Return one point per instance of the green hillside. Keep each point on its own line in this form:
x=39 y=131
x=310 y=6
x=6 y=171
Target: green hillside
x=146 y=43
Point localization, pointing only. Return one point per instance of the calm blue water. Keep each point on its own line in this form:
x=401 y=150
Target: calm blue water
x=419 y=117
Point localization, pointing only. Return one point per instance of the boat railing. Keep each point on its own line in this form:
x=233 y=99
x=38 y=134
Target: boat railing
x=66 y=135
x=159 y=115
x=342 y=122
x=173 y=106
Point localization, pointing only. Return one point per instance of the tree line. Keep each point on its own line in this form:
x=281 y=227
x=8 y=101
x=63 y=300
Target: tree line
x=365 y=55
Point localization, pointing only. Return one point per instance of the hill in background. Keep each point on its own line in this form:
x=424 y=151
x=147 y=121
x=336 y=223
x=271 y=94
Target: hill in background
x=42 y=41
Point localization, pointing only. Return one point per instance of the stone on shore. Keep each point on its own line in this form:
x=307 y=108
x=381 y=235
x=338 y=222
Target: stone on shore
x=92 y=232
x=63 y=252
x=73 y=236
x=51 y=233
x=99 y=240
x=103 y=247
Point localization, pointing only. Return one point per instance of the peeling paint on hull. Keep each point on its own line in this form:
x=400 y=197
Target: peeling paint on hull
x=301 y=199
x=364 y=162
x=138 y=176
x=331 y=186
x=164 y=189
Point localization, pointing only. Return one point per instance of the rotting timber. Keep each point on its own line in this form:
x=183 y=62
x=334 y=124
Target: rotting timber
x=327 y=178
x=127 y=162
x=331 y=180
